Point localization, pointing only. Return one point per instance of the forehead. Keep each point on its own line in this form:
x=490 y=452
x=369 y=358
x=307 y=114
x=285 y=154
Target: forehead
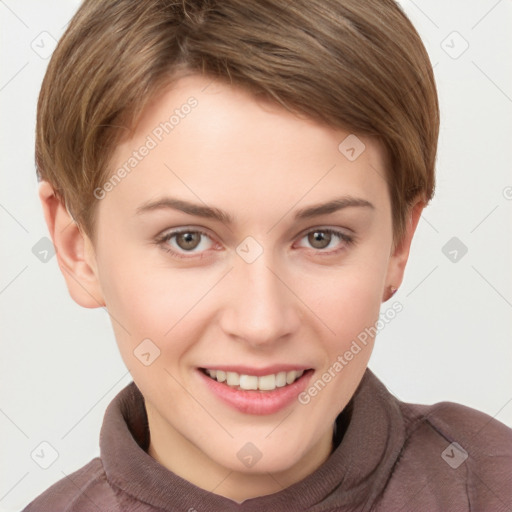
x=204 y=139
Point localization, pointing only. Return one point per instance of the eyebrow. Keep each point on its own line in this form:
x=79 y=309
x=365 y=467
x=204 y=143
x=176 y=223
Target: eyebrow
x=224 y=217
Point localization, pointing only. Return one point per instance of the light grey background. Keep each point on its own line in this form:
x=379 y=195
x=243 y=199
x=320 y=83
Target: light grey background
x=60 y=365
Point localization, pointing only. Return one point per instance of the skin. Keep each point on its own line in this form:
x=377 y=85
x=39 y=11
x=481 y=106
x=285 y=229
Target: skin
x=293 y=304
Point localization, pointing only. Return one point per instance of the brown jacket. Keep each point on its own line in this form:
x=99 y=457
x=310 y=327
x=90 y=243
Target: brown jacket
x=391 y=456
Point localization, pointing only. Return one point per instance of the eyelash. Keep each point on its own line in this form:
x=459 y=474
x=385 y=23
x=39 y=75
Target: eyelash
x=163 y=239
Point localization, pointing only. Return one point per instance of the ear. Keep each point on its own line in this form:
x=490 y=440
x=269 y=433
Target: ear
x=400 y=252
x=74 y=250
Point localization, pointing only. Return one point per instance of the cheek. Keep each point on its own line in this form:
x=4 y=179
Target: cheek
x=152 y=301
x=138 y=289
x=348 y=300
x=141 y=298
x=349 y=304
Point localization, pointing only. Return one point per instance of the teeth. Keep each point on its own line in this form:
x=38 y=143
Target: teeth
x=281 y=379
x=232 y=379
x=252 y=382
x=267 y=383
x=248 y=382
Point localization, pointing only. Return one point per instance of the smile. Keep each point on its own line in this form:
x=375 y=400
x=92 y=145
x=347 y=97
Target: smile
x=256 y=390
x=253 y=382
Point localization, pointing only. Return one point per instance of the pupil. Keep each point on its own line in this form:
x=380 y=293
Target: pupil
x=320 y=239
x=190 y=240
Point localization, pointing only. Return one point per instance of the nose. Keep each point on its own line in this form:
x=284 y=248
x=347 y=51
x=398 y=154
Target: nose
x=260 y=308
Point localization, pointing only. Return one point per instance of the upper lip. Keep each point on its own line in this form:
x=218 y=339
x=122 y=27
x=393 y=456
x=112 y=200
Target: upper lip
x=259 y=372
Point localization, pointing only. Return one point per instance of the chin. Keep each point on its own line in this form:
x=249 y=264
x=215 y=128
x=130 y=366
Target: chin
x=260 y=454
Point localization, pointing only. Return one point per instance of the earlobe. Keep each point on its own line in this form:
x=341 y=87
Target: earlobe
x=400 y=255
x=76 y=260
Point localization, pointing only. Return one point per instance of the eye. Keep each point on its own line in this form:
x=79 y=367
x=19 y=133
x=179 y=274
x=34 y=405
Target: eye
x=327 y=238
x=181 y=242
x=190 y=243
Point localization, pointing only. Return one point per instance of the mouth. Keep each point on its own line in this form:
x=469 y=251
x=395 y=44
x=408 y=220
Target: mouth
x=247 y=382
x=256 y=391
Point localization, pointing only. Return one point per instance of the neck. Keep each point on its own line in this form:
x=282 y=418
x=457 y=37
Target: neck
x=179 y=455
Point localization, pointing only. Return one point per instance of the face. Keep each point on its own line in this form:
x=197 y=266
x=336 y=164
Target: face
x=245 y=246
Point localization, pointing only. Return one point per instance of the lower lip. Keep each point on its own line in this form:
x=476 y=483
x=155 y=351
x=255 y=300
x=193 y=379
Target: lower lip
x=258 y=402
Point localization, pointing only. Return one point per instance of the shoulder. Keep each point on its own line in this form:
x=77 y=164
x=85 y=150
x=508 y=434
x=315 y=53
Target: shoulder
x=457 y=422
x=84 y=490
x=456 y=455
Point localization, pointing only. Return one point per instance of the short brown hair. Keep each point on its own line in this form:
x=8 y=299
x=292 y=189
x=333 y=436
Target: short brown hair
x=350 y=64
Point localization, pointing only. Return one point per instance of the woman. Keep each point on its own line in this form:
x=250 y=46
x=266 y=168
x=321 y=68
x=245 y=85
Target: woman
x=238 y=184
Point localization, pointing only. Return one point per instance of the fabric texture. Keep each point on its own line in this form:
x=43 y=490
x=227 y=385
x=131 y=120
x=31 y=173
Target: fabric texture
x=390 y=456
